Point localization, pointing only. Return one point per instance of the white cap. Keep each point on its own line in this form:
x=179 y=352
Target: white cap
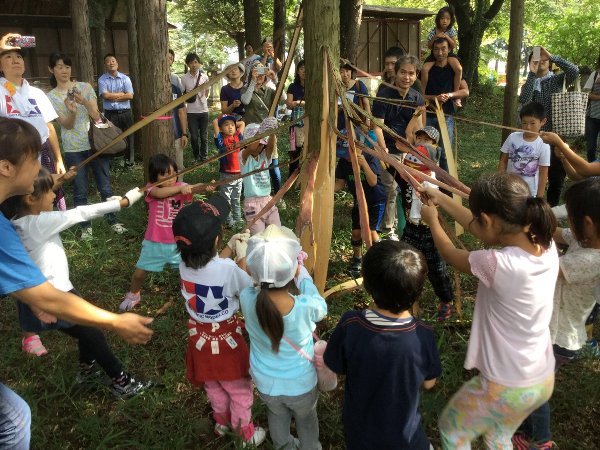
x=272 y=256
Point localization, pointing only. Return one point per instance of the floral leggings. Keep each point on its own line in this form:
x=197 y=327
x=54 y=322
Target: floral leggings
x=484 y=408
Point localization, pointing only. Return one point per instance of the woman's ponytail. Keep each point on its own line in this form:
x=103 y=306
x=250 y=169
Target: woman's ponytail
x=542 y=221
x=269 y=317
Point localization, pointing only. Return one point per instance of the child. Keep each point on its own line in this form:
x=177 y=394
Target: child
x=217 y=354
x=386 y=354
x=370 y=178
x=39 y=228
x=525 y=153
x=228 y=133
x=444 y=28
x=164 y=202
x=574 y=297
x=510 y=341
x=257 y=187
x=276 y=319
x=416 y=232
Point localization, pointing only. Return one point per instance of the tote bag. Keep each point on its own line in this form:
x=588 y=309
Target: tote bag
x=568 y=111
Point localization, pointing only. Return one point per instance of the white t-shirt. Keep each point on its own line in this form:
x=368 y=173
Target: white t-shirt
x=510 y=339
x=40 y=236
x=574 y=296
x=212 y=293
x=38 y=116
x=188 y=81
x=525 y=158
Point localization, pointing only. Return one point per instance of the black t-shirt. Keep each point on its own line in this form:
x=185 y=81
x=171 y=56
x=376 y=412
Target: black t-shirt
x=441 y=81
x=385 y=367
x=229 y=94
x=373 y=194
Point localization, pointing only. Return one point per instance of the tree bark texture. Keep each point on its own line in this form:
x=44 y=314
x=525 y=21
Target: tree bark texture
x=134 y=64
x=472 y=24
x=155 y=80
x=513 y=64
x=279 y=22
x=252 y=23
x=350 y=18
x=321 y=31
x=84 y=62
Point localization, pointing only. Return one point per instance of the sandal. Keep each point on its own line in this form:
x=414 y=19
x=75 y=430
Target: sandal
x=34 y=346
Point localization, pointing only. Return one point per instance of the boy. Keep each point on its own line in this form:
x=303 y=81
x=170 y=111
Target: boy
x=370 y=177
x=386 y=354
x=418 y=234
x=228 y=133
x=525 y=153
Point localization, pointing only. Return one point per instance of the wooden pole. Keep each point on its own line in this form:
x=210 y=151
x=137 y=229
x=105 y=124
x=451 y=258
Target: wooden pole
x=321 y=31
x=515 y=41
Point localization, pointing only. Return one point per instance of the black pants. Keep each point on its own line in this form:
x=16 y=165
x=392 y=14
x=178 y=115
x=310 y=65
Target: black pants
x=198 y=126
x=293 y=154
x=556 y=179
x=123 y=118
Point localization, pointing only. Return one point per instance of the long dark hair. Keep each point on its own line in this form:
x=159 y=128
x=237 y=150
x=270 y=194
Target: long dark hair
x=507 y=196
x=18 y=140
x=160 y=164
x=53 y=61
x=298 y=66
x=15 y=206
x=269 y=317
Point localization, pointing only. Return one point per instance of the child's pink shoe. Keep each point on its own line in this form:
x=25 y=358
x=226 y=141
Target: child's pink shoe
x=33 y=345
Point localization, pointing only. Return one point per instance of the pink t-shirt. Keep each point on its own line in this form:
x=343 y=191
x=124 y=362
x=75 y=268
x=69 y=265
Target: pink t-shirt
x=510 y=337
x=161 y=212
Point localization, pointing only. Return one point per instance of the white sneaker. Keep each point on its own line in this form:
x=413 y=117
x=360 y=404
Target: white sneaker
x=392 y=236
x=221 y=430
x=86 y=233
x=130 y=301
x=257 y=438
x=118 y=228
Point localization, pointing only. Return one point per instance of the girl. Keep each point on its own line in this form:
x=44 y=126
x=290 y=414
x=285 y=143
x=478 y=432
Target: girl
x=257 y=187
x=76 y=103
x=164 y=202
x=444 y=28
x=510 y=341
x=39 y=228
x=295 y=101
x=574 y=297
x=217 y=354
x=279 y=320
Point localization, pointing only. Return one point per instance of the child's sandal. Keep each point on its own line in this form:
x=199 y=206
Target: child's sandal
x=34 y=346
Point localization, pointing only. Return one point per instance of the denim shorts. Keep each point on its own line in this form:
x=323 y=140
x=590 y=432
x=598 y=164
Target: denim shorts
x=155 y=256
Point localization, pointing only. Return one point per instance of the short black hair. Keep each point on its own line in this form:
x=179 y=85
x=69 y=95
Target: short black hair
x=160 y=164
x=440 y=40
x=533 y=109
x=583 y=199
x=18 y=140
x=172 y=53
x=191 y=57
x=107 y=55
x=196 y=258
x=394 y=52
x=394 y=274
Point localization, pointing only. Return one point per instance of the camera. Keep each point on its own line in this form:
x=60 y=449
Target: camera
x=262 y=70
x=71 y=93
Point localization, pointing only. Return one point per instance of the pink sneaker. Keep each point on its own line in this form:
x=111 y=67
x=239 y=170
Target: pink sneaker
x=33 y=345
x=130 y=301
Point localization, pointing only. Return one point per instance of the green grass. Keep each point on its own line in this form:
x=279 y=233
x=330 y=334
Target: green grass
x=176 y=415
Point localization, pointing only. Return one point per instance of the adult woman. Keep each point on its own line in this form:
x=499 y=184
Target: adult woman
x=269 y=59
x=258 y=98
x=197 y=111
x=295 y=101
x=75 y=103
x=20 y=100
x=231 y=93
x=592 y=118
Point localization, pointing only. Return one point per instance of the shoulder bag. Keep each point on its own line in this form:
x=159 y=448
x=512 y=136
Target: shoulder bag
x=569 y=110
x=102 y=133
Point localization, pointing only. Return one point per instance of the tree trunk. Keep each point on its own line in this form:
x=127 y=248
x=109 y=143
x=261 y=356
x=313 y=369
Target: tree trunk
x=321 y=31
x=134 y=65
x=239 y=40
x=513 y=64
x=155 y=85
x=100 y=33
x=252 y=23
x=350 y=18
x=279 y=22
x=84 y=66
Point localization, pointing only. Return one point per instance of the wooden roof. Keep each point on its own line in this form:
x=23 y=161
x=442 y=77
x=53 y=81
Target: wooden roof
x=390 y=12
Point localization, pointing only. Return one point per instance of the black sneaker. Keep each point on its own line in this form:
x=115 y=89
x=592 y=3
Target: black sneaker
x=356 y=267
x=126 y=386
x=91 y=374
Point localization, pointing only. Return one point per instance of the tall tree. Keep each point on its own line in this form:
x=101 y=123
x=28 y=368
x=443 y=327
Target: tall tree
x=84 y=66
x=252 y=22
x=155 y=84
x=279 y=22
x=134 y=63
x=515 y=42
x=350 y=18
x=472 y=19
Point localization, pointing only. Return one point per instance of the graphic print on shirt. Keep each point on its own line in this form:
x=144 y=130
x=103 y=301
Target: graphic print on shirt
x=525 y=159
x=207 y=302
x=262 y=179
x=166 y=212
x=12 y=111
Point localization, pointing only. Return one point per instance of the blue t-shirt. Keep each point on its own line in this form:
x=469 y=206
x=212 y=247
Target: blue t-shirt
x=178 y=132
x=17 y=271
x=373 y=194
x=229 y=94
x=396 y=117
x=385 y=366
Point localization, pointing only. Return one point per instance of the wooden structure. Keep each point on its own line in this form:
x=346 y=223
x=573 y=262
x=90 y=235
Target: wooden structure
x=383 y=27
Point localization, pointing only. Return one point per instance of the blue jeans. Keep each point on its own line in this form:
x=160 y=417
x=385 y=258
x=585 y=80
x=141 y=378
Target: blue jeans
x=101 y=170
x=433 y=121
x=15 y=420
x=592 y=131
x=537 y=426
x=275 y=175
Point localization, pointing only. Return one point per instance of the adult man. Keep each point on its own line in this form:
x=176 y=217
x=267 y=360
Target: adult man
x=116 y=91
x=174 y=77
x=440 y=86
x=197 y=111
x=180 y=126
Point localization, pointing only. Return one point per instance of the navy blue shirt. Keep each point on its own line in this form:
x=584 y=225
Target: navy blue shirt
x=396 y=117
x=385 y=367
x=373 y=194
x=229 y=94
x=297 y=91
x=441 y=81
